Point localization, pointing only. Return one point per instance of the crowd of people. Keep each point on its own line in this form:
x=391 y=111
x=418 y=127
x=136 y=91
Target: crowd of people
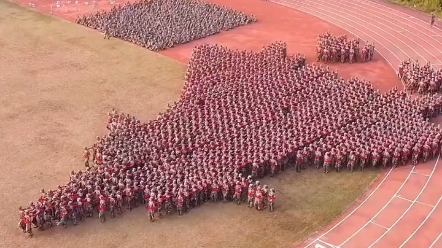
x=161 y=24
x=331 y=48
x=429 y=105
x=422 y=79
x=241 y=116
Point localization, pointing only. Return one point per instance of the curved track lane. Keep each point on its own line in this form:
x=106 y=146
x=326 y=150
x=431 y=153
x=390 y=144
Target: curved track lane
x=404 y=209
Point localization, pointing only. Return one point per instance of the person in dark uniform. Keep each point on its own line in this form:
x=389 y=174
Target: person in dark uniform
x=433 y=18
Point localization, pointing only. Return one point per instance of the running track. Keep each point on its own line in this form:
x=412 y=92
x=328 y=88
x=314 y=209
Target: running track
x=403 y=209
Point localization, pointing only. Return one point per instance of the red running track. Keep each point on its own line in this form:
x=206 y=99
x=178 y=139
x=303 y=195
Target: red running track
x=403 y=209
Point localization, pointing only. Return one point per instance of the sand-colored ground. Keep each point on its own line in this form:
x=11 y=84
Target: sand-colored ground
x=57 y=82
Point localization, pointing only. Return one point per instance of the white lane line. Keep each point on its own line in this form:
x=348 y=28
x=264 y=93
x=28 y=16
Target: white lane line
x=435 y=241
x=380 y=211
x=411 y=205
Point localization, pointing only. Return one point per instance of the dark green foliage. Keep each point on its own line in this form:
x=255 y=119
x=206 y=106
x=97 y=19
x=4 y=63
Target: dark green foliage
x=428 y=6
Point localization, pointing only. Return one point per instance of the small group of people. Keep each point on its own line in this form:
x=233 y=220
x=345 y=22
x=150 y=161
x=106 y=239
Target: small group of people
x=423 y=79
x=161 y=24
x=242 y=116
x=331 y=48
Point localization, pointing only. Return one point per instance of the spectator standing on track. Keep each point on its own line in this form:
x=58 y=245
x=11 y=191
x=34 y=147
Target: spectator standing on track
x=433 y=17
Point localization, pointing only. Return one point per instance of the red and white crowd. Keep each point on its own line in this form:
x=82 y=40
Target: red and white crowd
x=241 y=116
x=422 y=79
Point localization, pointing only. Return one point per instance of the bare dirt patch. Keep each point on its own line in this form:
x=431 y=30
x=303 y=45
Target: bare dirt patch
x=58 y=80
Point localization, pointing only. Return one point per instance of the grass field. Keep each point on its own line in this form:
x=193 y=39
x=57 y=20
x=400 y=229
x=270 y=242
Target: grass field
x=57 y=82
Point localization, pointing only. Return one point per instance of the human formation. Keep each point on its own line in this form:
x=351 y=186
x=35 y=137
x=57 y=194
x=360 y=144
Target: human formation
x=332 y=48
x=241 y=116
x=429 y=105
x=161 y=24
x=419 y=78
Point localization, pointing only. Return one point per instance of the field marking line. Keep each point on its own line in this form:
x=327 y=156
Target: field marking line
x=379 y=225
x=422 y=223
x=421 y=174
x=403 y=198
x=327 y=244
x=408 y=200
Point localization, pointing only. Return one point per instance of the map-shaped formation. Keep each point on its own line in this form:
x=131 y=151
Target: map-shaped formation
x=241 y=116
x=161 y=24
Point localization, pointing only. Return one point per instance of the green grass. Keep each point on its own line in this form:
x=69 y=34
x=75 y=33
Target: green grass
x=427 y=6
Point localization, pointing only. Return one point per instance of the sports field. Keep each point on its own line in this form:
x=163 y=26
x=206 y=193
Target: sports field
x=58 y=80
